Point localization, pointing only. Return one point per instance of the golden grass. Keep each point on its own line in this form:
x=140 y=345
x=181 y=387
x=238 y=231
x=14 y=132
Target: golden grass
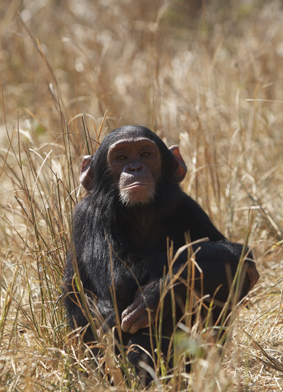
x=209 y=78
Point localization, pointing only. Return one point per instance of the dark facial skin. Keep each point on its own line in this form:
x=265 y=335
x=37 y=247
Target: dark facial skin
x=136 y=167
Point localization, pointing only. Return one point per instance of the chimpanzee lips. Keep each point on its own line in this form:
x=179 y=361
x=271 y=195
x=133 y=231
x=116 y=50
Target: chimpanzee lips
x=137 y=184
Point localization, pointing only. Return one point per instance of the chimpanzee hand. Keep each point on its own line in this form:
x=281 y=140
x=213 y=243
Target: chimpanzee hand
x=252 y=274
x=135 y=316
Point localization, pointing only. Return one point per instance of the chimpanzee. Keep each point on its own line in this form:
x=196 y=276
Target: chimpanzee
x=121 y=230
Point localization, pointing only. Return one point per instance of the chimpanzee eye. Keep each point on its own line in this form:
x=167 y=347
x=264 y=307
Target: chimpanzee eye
x=145 y=154
x=121 y=157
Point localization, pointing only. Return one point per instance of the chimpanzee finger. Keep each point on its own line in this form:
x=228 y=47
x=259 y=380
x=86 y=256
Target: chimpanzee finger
x=131 y=308
x=141 y=322
x=129 y=318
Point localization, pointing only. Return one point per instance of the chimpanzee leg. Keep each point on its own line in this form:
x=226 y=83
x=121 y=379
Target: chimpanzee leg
x=142 y=347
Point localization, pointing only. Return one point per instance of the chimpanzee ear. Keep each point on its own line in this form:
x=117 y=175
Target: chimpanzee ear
x=181 y=168
x=85 y=175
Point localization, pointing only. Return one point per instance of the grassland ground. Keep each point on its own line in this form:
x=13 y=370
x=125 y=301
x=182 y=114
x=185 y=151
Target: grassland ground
x=205 y=75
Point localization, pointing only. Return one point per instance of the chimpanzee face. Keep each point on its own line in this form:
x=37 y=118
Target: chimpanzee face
x=136 y=168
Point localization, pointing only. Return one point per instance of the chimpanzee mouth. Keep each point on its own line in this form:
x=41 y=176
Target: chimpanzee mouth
x=136 y=185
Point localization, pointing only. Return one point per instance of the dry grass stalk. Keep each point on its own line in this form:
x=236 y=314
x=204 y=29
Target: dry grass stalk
x=209 y=78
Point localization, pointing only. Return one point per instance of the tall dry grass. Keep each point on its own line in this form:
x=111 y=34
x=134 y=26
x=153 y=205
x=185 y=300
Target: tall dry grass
x=208 y=76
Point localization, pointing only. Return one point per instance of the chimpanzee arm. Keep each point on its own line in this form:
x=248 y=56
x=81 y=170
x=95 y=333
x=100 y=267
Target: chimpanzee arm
x=212 y=255
x=214 y=259
x=217 y=263
x=99 y=309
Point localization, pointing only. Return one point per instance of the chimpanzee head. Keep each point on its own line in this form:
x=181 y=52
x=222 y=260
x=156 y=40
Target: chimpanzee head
x=135 y=161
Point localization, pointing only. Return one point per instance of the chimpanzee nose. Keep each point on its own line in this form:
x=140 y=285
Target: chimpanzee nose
x=135 y=167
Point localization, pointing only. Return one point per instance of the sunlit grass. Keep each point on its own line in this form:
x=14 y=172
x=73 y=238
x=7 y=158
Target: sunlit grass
x=209 y=78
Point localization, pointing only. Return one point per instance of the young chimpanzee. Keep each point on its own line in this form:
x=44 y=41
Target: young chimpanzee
x=120 y=233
